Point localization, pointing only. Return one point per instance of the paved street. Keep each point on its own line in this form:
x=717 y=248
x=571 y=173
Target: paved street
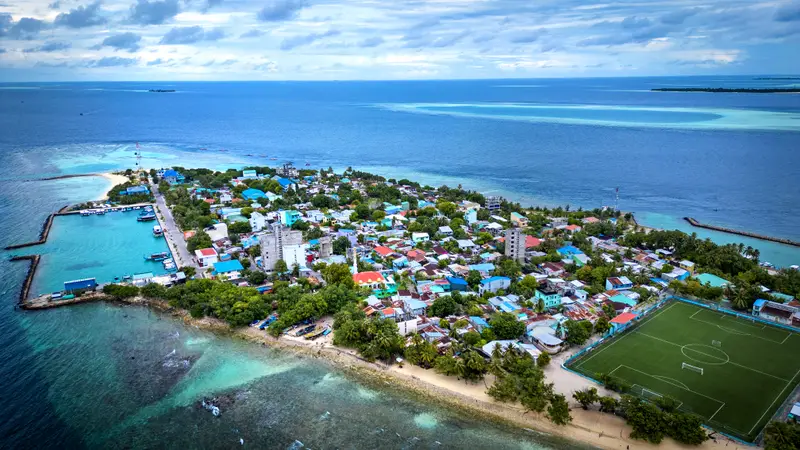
x=172 y=233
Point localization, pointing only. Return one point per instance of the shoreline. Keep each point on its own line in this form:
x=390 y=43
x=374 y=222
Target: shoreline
x=115 y=179
x=591 y=427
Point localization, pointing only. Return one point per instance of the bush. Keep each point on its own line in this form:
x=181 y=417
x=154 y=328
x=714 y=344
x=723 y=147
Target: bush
x=120 y=291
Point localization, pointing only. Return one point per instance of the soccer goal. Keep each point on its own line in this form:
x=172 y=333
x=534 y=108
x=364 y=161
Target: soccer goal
x=642 y=392
x=716 y=343
x=691 y=367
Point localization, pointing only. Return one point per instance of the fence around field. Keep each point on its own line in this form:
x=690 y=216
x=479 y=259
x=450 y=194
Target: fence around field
x=641 y=318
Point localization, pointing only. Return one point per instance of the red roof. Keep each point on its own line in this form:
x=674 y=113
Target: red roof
x=623 y=318
x=383 y=251
x=368 y=278
x=531 y=241
x=208 y=252
x=573 y=227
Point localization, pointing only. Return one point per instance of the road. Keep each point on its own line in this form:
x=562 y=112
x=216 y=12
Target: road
x=172 y=233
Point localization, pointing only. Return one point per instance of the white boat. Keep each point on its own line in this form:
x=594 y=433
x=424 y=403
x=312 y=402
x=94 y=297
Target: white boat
x=158 y=231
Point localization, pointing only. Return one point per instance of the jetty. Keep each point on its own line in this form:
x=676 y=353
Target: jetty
x=698 y=224
x=26 y=286
x=48 y=224
x=47 y=302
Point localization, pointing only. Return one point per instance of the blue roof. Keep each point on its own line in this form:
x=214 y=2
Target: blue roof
x=759 y=303
x=171 y=173
x=486 y=267
x=284 y=181
x=492 y=279
x=710 y=279
x=479 y=321
x=136 y=189
x=569 y=250
x=252 y=194
x=456 y=280
x=228 y=266
x=417 y=304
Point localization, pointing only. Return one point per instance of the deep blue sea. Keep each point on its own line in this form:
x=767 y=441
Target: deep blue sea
x=105 y=376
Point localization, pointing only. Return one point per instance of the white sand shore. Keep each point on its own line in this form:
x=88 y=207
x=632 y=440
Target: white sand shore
x=589 y=427
x=114 y=179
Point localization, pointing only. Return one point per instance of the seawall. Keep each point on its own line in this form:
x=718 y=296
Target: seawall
x=26 y=286
x=695 y=223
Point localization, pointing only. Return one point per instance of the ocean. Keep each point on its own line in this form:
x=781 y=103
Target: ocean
x=110 y=376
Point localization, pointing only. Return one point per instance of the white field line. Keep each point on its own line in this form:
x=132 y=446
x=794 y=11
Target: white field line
x=741 y=321
x=787 y=337
x=676 y=385
x=773 y=402
x=623 y=337
x=612 y=372
x=737 y=332
x=713 y=356
x=715 y=412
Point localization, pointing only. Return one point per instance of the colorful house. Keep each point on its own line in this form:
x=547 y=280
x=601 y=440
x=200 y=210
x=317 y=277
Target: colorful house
x=381 y=287
x=549 y=295
x=618 y=283
x=253 y=194
x=494 y=284
x=288 y=218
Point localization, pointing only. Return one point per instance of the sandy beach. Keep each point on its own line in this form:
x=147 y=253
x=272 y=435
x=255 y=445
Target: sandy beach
x=114 y=179
x=589 y=427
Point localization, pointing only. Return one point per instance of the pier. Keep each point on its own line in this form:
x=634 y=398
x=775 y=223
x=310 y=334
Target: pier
x=695 y=223
x=48 y=223
x=46 y=302
x=26 y=286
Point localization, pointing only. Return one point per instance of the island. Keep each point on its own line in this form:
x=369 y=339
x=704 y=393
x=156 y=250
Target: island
x=161 y=90
x=777 y=78
x=581 y=318
x=731 y=90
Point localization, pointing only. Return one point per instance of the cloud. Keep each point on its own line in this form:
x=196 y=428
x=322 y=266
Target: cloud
x=47 y=47
x=112 y=61
x=635 y=23
x=632 y=30
x=145 y=12
x=371 y=42
x=158 y=62
x=26 y=28
x=81 y=17
x=2 y=50
x=789 y=12
x=122 y=41
x=191 y=35
x=679 y=16
x=305 y=39
x=55 y=5
x=210 y=4
x=527 y=37
x=252 y=34
x=268 y=66
x=280 y=10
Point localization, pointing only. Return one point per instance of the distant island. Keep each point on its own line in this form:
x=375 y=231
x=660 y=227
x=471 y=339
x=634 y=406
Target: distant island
x=161 y=90
x=777 y=78
x=737 y=90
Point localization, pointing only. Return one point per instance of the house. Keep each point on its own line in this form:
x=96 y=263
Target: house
x=479 y=323
x=381 y=286
x=618 y=283
x=677 y=273
x=285 y=183
x=445 y=230
x=136 y=190
x=532 y=242
x=494 y=284
x=225 y=197
x=519 y=220
x=580 y=259
x=458 y=284
x=206 y=257
x=590 y=220
x=172 y=177
x=711 y=280
x=569 y=250
x=383 y=251
x=228 y=270
x=545 y=338
x=420 y=237
x=549 y=294
x=258 y=221
x=552 y=269
x=573 y=228
x=687 y=266
x=249 y=175
x=253 y=194
x=621 y=321
x=288 y=218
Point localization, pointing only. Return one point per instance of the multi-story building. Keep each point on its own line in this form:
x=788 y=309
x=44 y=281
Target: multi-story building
x=493 y=202
x=275 y=243
x=515 y=244
x=325 y=247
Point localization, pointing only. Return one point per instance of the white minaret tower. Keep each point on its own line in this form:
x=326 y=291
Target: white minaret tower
x=355 y=260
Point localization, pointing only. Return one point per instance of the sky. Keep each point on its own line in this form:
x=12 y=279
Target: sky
x=74 y=40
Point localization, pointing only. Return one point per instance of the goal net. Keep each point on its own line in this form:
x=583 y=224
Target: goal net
x=691 y=367
x=716 y=343
x=643 y=392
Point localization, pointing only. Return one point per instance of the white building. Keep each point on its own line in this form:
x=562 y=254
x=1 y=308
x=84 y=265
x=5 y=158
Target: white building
x=258 y=221
x=206 y=257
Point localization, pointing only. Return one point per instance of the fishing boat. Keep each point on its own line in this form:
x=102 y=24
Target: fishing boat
x=158 y=231
x=169 y=264
x=160 y=256
x=304 y=330
x=149 y=217
x=315 y=333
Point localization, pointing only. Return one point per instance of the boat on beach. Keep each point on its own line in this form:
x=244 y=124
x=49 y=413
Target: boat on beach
x=302 y=331
x=316 y=332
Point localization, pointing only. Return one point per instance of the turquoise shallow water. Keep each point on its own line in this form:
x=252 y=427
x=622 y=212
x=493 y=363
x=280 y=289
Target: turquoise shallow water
x=101 y=247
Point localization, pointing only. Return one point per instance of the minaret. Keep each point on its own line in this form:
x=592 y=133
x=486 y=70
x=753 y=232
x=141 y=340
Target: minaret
x=355 y=261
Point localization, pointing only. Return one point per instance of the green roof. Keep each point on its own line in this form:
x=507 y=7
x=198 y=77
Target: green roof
x=713 y=280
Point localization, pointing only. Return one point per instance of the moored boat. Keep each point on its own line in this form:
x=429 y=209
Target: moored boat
x=158 y=231
x=146 y=217
x=160 y=256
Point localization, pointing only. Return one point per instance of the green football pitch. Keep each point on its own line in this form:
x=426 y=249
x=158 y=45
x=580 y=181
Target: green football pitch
x=731 y=371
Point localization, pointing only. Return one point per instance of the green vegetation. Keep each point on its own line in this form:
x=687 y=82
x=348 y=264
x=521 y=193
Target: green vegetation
x=782 y=436
x=116 y=195
x=236 y=305
x=120 y=291
x=746 y=369
x=374 y=338
x=189 y=214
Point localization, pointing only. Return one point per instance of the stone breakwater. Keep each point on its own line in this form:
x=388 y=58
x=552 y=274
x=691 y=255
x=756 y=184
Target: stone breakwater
x=698 y=224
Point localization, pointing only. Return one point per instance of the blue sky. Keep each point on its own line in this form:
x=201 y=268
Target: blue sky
x=393 y=39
